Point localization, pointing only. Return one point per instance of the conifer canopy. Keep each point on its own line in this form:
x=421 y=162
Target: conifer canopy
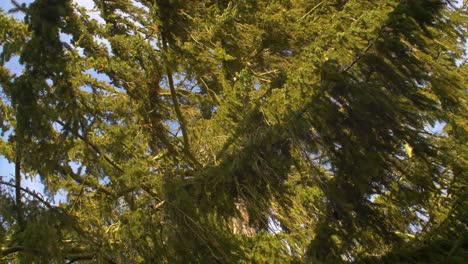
x=250 y=131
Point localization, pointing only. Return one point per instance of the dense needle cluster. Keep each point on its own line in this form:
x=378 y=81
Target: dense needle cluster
x=285 y=131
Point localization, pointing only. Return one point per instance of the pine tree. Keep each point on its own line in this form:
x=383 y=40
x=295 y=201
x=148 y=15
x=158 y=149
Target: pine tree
x=236 y=132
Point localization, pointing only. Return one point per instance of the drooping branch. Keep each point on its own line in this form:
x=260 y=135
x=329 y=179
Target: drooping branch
x=206 y=238
x=10 y=250
x=18 y=7
x=180 y=116
x=93 y=146
x=311 y=10
x=362 y=53
x=81 y=181
x=26 y=190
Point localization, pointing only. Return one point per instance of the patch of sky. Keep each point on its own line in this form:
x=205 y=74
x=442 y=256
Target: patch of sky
x=196 y=89
x=57 y=126
x=131 y=19
x=76 y=166
x=443 y=191
x=14 y=65
x=86 y=88
x=423 y=218
x=65 y=38
x=459 y=3
x=138 y=3
x=104 y=180
x=100 y=76
x=287 y=52
x=49 y=82
x=5 y=166
x=91 y=10
x=80 y=51
x=164 y=82
x=7 y=5
x=257 y=86
x=415 y=227
x=371 y=198
x=32 y=183
x=105 y=43
x=174 y=127
x=154 y=43
x=274 y=226
x=437 y=128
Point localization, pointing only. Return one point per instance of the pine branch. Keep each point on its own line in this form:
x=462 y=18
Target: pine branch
x=194 y=224
x=312 y=10
x=28 y=191
x=18 y=7
x=10 y=250
x=180 y=116
x=361 y=54
x=93 y=146
x=78 y=179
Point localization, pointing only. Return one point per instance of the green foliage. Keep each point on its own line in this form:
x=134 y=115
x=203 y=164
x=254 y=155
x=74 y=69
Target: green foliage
x=236 y=132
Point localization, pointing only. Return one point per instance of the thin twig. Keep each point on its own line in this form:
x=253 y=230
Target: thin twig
x=94 y=147
x=312 y=10
x=180 y=116
x=33 y=194
x=18 y=7
x=361 y=54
